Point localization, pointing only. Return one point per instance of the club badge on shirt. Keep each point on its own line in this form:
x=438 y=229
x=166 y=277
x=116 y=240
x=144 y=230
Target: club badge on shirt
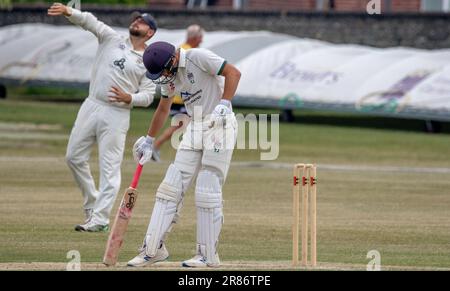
x=120 y=63
x=190 y=76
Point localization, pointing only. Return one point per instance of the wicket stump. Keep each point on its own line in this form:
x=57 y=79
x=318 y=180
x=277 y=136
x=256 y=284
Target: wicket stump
x=304 y=177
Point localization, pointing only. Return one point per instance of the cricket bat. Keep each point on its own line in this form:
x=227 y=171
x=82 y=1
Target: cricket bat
x=120 y=225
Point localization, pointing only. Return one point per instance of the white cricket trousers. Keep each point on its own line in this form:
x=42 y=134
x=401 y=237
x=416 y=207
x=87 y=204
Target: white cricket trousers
x=107 y=125
x=205 y=147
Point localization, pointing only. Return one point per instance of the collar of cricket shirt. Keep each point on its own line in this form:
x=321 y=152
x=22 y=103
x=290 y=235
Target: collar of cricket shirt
x=182 y=61
x=130 y=45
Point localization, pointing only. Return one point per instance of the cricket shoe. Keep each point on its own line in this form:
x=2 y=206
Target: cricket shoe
x=142 y=259
x=199 y=261
x=92 y=227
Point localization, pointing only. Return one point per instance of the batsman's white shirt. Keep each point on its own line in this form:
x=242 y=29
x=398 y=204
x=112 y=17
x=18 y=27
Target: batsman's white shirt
x=116 y=64
x=200 y=85
x=198 y=80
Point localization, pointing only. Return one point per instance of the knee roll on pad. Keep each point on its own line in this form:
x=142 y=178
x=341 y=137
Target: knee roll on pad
x=172 y=185
x=208 y=190
x=171 y=189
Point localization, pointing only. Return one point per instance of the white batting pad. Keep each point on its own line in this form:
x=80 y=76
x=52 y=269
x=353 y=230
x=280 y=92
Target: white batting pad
x=208 y=199
x=168 y=196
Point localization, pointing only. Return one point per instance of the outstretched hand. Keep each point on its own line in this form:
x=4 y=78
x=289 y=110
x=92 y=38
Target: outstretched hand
x=59 y=9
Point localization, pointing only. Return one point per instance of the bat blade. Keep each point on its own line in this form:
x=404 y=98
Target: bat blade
x=117 y=234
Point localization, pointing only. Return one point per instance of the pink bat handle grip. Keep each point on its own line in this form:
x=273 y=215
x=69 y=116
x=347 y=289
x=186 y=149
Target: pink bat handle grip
x=137 y=174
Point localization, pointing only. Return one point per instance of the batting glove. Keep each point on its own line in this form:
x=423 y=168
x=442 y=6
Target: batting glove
x=223 y=108
x=221 y=111
x=143 y=149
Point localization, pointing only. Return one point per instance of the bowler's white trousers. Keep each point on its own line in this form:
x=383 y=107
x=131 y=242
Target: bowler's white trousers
x=107 y=125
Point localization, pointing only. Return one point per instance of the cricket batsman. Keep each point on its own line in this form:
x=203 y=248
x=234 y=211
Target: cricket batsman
x=118 y=83
x=194 y=37
x=206 y=83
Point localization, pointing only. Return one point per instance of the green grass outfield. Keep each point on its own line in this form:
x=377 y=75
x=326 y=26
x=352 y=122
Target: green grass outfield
x=383 y=185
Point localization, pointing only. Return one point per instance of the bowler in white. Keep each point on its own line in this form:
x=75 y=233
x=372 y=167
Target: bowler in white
x=118 y=83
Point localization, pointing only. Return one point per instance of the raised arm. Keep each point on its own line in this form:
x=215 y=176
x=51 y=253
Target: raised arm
x=84 y=19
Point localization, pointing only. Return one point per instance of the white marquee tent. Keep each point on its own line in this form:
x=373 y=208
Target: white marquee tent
x=278 y=71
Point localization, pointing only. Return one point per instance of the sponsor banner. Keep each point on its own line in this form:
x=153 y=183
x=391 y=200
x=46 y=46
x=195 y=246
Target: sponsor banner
x=279 y=71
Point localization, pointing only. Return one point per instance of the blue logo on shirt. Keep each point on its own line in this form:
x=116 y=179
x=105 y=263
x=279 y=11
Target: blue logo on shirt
x=185 y=95
x=120 y=63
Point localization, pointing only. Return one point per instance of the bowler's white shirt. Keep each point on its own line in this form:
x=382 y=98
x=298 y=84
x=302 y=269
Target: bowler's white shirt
x=116 y=64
